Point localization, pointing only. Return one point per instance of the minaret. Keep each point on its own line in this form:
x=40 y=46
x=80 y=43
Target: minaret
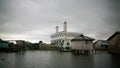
x=65 y=30
x=65 y=26
x=57 y=29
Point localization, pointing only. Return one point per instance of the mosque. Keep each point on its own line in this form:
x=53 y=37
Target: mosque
x=63 y=38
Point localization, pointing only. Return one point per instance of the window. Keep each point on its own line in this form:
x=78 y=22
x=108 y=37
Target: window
x=68 y=43
x=60 y=35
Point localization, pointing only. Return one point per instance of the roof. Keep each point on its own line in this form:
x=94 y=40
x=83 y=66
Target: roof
x=103 y=42
x=116 y=33
x=82 y=38
x=3 y=41
x=62 y=32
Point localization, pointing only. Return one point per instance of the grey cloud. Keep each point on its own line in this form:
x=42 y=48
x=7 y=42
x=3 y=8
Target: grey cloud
x=37 y=19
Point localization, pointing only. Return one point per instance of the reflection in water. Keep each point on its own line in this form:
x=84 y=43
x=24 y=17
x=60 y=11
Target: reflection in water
x=53 y=59
x=102 y=61
x=83 y=61
x=115 y=60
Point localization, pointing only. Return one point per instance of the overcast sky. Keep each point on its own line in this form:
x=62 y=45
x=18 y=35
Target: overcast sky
x=35 y=20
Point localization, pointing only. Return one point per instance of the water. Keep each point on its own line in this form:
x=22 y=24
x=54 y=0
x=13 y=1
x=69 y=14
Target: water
x=53 y=59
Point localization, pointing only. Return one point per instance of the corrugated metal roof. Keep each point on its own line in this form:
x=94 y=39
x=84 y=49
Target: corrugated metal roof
x=82 y=37
x=116 y=33
x=103 y=42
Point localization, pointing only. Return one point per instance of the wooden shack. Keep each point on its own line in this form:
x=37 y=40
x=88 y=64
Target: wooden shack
x=82 y=44
x=114 y=40
x=101 y=45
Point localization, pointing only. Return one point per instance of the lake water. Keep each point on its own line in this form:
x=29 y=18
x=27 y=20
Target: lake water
x=53 y=59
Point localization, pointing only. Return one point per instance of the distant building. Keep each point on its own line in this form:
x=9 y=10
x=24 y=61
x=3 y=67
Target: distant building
x=63 y=38
x=35 y=46
x=101 y=45
x=114 y=40
x=82 y=43
x=4 y=44
x=20 y=43
x=12 y=41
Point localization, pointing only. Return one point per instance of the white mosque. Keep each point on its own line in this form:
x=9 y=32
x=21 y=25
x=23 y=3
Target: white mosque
x=63 y=38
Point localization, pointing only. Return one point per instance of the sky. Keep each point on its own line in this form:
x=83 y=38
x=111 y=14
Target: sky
x=35 y=20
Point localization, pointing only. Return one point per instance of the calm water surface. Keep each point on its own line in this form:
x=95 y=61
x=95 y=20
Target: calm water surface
x=53 y=59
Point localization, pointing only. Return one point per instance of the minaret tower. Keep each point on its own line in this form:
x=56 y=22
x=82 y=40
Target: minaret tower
x=57 y=29
x=65 y=26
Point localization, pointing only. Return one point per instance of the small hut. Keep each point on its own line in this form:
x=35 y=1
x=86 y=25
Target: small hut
x=114 y=41
x=101 y=45
x=82 y=44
